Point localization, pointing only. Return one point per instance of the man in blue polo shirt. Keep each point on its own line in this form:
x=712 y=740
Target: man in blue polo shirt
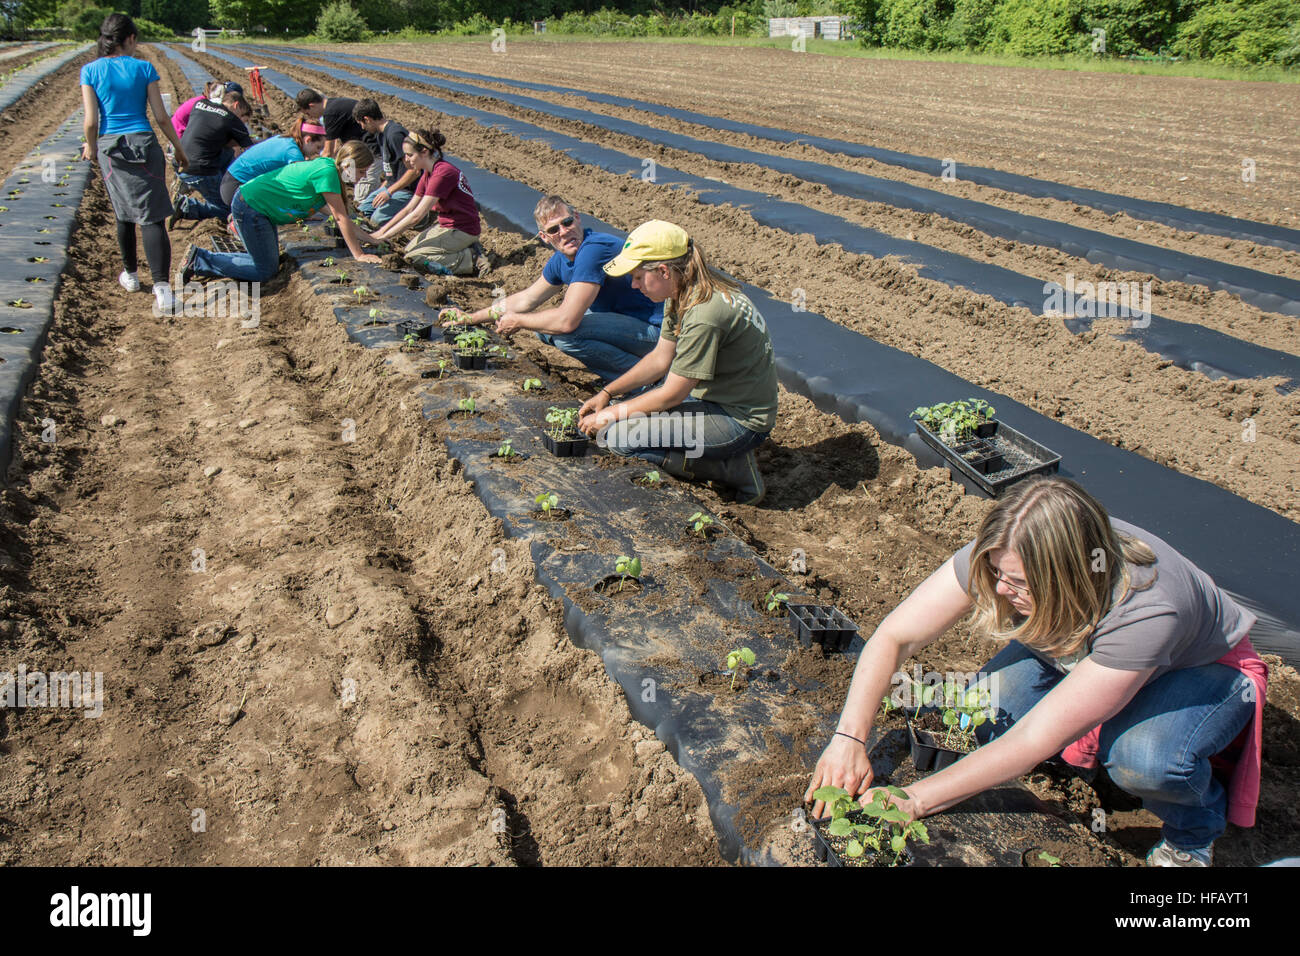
x=602 y=321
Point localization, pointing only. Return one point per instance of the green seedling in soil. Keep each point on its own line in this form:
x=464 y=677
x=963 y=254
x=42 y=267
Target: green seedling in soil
x=923 y=694
x=775 y=600
x=342 y=276
x=4 y=208
x=506 y=450
x=563 y=423
x=502 y=352
x=887 y=706
x=410 y=342
x=650 y=478
x=19 y=303
x=880 y=825
x=547 y=500
x=472 y=342
x=1049 y=859
x=966 y=709
x=374 y=315
x=360 y=292
x=741 y=655
x=468 y=405
x=442 y=367
x=329 y=262
x=954 y=421
x=40 y=259
x=700 y=523
x=627 y=568
x=532 y=383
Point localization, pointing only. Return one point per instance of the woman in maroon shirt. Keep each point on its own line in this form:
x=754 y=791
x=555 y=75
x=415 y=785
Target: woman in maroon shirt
x=450 y=246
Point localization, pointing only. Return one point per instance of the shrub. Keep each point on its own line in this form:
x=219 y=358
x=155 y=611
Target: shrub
x=83 y=19
x=1038 y=28
x=1241 y=32
x=149 y=30
x=340 y=23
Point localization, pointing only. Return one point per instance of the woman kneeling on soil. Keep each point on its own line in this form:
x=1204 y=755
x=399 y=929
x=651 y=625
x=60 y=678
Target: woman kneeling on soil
x=283 y=196
x=450 y=246
x=1118 y=650
x=714 y=348
x=305 y=140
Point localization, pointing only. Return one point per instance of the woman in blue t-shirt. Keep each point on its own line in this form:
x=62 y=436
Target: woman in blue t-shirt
x=305 y=140
x=114 y=91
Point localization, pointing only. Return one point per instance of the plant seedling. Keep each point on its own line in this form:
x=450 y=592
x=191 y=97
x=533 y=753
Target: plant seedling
x=20 y=303
x=472 y=342
x=468 y=405
x=329 y=262
x=562 y=422
x=41 y=259
x=547 y=500
x=374 y=315
x=360 y=292
x=451 y=316
x=775 y=600
x=650 y=478
x=502 y=352
x=954 y=421
x=741 y=655
x=881 y=825
x=887 y=705
x=532 y=383
x=506 y=450
x=342 y=275
x=1049 y=859
x=496 y=312
x=627 y=568
x=442 y=367
x=410 y=342
x=700 y=523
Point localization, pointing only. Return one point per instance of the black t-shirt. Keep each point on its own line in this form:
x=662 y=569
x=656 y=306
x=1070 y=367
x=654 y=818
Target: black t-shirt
x=390 y=149
x=338 y=122
x=211 y=126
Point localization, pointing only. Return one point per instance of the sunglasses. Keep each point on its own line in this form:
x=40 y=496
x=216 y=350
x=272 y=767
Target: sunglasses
x=564 y=223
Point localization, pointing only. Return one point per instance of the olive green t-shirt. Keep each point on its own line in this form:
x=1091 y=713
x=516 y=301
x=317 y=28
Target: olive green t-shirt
x=724 y=344
x=292 y=193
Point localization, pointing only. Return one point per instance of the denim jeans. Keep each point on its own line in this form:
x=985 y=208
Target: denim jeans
x=1159 y=746
x=211 y=206
x=607 y=343
x=388 y=210
x=701 y=429
x=259 y=236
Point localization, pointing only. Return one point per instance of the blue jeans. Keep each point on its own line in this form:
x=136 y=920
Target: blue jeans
x=1159 y=746
x=212 y=206
x=388 y=210
x=259 y=236
x=607 y=343
x=700 y=429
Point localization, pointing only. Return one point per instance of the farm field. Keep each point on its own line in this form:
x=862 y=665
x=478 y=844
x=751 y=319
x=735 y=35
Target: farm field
x=370 y=562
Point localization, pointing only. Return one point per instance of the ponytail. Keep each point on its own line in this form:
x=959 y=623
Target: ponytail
x=694 y=280
x=116 y=29
x=427 y=141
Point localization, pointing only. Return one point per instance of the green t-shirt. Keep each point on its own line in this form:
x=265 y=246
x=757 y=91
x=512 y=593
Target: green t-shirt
x=724 y=343
x=292 y=193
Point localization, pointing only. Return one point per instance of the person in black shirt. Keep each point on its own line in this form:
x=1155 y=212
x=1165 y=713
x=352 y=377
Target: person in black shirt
x=212 y=128
x=397 y=180
x=340 y=127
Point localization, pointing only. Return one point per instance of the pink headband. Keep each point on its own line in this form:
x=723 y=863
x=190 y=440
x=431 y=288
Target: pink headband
x=311 y=129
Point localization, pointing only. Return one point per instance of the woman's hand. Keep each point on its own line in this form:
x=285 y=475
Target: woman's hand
x=182 y=161
x=594 y=423
x=594 y=404
x=367 y=257
x=87 y=152
x=844 y=764
x=452 y=316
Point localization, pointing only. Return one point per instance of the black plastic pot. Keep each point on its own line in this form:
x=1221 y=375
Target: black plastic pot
x=986 y=429
x=449 y=332
x=818 y=624
x=467 y=361
x=421 y=330
x=570 y=448
x=826 y=853
x=926 y=752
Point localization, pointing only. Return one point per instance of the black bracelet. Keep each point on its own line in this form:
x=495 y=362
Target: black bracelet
x=840 y=733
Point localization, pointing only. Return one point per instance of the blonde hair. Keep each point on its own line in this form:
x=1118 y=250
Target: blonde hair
x=1074 y=563
x=694 y=280
x=549 y=206
x=357 y=154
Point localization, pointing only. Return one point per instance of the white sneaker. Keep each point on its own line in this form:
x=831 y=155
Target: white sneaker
x=129 y=282
x=1165 y=853
x=164 y=303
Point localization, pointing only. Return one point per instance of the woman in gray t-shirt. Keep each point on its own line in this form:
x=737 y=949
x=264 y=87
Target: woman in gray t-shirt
x=1107 y=629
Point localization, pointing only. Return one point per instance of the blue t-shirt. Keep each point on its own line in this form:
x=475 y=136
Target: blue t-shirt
x=264 y=157
x=121 y=84
x=616 y=293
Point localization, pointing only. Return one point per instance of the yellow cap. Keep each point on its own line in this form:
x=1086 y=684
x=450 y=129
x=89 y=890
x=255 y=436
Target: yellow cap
x=652 y=241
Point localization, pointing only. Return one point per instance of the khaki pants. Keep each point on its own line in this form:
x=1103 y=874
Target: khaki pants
x=441 y=250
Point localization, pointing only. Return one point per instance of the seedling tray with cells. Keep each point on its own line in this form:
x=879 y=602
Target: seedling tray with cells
x=996 y=462
x=816 y=624
x=561 y=436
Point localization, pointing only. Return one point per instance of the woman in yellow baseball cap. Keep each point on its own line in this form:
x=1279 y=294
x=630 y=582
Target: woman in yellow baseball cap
x=716 y=394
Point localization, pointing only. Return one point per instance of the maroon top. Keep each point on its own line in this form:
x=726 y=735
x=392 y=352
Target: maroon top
x=452 y=198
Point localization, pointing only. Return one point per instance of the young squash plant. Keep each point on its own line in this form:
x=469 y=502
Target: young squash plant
x=879 y=825
x=955 y=422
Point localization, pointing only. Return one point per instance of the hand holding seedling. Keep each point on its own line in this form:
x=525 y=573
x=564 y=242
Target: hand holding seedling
x=843 y=764
x=453 y=316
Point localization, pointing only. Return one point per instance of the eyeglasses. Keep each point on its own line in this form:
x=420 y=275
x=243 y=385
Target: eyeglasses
x=564 y=223
x=1020 y=589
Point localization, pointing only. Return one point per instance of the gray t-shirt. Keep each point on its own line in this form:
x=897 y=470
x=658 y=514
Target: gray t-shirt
x=1183 y=620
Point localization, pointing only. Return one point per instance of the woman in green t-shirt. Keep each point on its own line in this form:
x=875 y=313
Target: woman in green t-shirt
x=282 y=196
x=713 y=349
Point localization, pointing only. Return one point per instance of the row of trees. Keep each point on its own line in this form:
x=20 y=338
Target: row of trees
x=1242 y=32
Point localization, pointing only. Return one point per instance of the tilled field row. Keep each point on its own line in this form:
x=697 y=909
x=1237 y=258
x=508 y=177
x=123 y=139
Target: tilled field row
x=1176 y=418
x=1145 y=136
x=1222 y=311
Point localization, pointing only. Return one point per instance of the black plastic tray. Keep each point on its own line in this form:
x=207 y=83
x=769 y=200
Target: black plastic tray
x=573 y=448
x=1020 y=455
x=929 y=756
x=820 y=624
